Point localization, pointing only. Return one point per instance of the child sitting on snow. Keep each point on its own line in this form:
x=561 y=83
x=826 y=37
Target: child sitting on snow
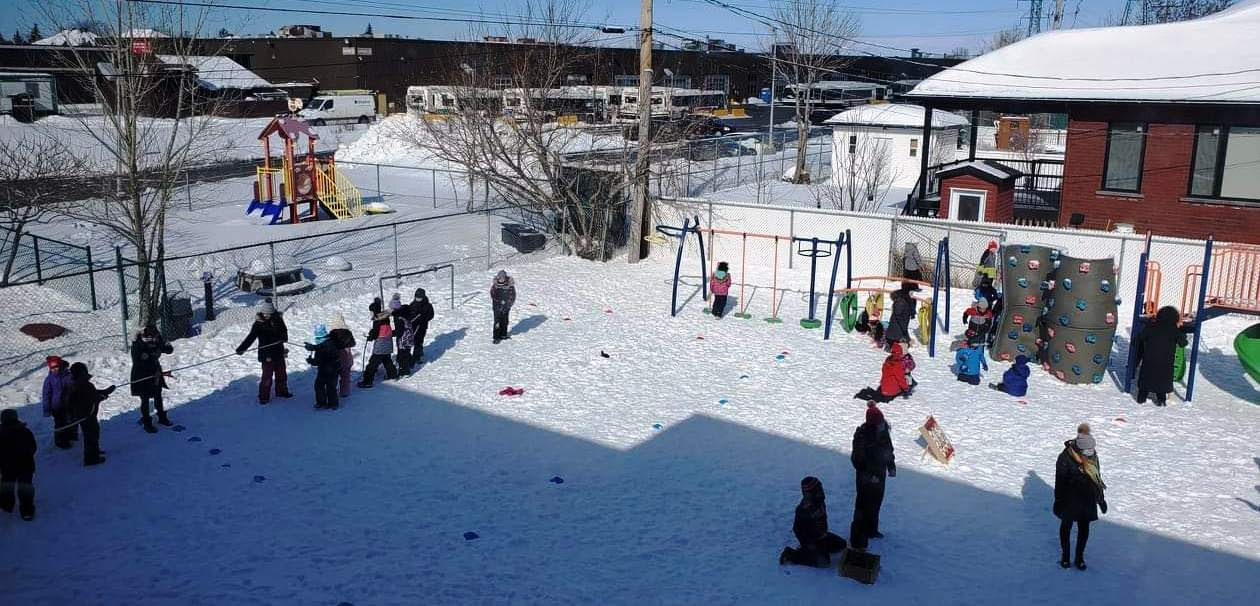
x=892 y=381
x=869 y=321
x=908 y=363
x=1015 y=379
x=720 y=284
x=810 y=528
x=969 y=361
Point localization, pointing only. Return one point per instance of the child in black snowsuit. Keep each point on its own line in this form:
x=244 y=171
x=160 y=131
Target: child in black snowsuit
x=17 y=465
x=84 y=402
x=810 y=528
x=327 y=362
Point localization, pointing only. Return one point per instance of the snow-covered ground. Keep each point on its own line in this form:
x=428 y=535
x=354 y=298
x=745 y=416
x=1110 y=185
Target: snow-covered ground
x=680 y=456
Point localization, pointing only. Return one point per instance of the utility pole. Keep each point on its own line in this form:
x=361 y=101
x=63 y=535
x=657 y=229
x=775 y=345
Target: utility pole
x=774 y=55
x=640 y=211
x=1056 y=22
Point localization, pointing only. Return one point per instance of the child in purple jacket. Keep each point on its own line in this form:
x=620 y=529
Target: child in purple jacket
x=55 y=386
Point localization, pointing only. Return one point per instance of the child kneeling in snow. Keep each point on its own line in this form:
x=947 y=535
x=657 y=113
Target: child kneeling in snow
x=969 y=361
x=327 y=362
x=892 y=381
x=1015 y=379
x=810 y=528
x=720 y=284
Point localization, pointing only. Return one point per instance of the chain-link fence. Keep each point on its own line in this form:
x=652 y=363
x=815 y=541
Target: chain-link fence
x=210 y=290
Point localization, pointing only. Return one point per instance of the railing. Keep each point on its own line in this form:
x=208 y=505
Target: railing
x=337 y=193
x=1041 y=175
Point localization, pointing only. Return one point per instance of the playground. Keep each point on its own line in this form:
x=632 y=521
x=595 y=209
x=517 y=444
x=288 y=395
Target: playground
x=691 y=426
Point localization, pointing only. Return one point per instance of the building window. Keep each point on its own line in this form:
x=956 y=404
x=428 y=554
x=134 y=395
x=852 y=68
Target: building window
x=1226 y=163
x=852 y=144
x=717 y=82
x=503 y=81
x=914 y=147
x=575 y=79
x=1122 y=165
x=626 y=80
x=678 y=81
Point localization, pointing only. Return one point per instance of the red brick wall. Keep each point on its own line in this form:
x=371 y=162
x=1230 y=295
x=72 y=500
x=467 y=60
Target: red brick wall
x=1165 y=181
x=999 y=203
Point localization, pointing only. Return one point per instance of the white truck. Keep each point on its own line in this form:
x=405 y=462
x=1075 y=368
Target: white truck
x=326 y=108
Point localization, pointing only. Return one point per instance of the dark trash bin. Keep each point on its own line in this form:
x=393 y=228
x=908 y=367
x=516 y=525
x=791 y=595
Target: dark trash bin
x=523 y=238
x=179 y=314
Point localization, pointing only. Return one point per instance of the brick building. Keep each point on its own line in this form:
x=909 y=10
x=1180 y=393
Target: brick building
x=1163 y=121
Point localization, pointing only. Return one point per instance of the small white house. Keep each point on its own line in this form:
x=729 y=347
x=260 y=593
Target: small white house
x=890 y=135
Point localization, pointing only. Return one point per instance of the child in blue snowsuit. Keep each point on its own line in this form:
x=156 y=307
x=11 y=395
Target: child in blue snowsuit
x=1015 y=379
x=970 y=360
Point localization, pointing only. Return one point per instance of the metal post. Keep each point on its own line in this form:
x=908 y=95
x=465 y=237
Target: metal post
x=378 y=180
x=91 y=278
x=848 y=259
x=433 y=174
x=489 y=236
x=188 y=190
x=395 y=226
x=948 y=285
x=831 y=289
x=739 y=165
x=1135 y=323
x=791 y=235
x=39 y=271
x=452 y=287
x=975 y=128
x=813 y=269
x=923 y=150
x=164 y=297
x=1199 y=317
x=122 y=292
x=275 y=288
x=717 y=152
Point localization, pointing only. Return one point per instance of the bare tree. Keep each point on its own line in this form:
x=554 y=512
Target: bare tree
x=862 y=174
x=35 y=174
x=814 y=35
x=155 y=125
x=510 y=126
x=1002 y=38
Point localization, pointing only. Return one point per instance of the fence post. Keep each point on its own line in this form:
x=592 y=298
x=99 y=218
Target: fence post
x=433 y=182
x=163 y=296
x=739 y=165
x=39 y=271
x=892 y=247
x=275 y=288
x=188 y=190
x=791 y=235
x=395 y=226
x=489 y=235
x=122 y=291
x=378 y=180
x=91 y=278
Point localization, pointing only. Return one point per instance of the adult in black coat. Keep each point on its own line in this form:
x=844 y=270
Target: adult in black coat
x=147 y=381
x=903 y=309
x=271 y=333
x=84 y=401
x=1077 y=496
x=873 y=462
x=17 y=465
x=1156 y=350
x=810 y=528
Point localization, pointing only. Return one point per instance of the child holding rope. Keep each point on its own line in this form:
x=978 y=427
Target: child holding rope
x=271 y=333
x=720 y=284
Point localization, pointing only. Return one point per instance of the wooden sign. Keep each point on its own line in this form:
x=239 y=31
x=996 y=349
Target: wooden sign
x=141 y=46
x=937 y=444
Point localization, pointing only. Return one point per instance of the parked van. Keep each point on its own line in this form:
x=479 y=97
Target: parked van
x=325 y=108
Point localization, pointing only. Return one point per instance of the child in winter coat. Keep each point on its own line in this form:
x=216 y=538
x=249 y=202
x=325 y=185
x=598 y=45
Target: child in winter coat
x=326 y=358
x=892 y=381
x=1015 y=379
x=272 y=334
x=17 y=465
x=720 y=284
x=874 y=461
x=810 y=528
x=415 y=317
x=907 y=361
x=977 y=321
x=343 y=339
x=870 y=320
x=903 y=309
x=147 y=381
x=84 y=402
x=382 y=337
x=502 y=297
x=911 y=262
x=1156 y=350
x=970 y=360
x=54 y=401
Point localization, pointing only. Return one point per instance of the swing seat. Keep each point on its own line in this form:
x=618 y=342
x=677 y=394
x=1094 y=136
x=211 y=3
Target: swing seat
x=848 y=311
x=925 y=323
x=810 y=323
x=656 y=239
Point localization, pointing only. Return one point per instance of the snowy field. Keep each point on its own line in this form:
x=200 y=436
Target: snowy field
x=680 y=456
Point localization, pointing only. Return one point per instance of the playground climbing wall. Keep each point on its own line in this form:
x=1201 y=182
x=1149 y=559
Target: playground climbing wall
x=1025 y=272
x=1081 y=319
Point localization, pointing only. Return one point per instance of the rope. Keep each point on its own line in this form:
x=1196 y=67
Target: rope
x=166 y=373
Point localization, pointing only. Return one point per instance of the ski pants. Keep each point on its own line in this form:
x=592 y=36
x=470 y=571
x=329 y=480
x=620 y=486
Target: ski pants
x=157 y=404
x=1082 y=537
x=91 y=439
x=501 y=322
x=273 y=370
x=64 y=437
x=816 y=554
x=376 y=361
x=347 y=365
x=23 y=485
x=972 y=379
x=870 y=497
x=719 y=305
x=1160 y=398
x=326 y=388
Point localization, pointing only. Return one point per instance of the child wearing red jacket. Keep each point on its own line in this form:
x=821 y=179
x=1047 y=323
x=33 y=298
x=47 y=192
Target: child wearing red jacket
x=892 y=381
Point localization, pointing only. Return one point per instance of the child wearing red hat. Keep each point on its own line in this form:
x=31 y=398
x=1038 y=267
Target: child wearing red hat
x=53 y=398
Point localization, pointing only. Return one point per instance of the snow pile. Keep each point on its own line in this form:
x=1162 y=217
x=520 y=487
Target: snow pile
x=1213 y=58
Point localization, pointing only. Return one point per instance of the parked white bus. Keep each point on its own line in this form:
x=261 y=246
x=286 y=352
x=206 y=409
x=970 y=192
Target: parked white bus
x=669 y=102
x=838 y=95
x=423 y=100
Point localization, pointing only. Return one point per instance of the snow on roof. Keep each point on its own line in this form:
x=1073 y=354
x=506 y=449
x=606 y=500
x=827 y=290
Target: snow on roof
x=68 y=37
x=990 y=168
x=219 y=72
x=143 y=33
x=836 y=85
x=895 y=115
x=1210 y=59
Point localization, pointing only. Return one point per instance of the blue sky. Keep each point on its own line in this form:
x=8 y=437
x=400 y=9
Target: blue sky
x=931 y=25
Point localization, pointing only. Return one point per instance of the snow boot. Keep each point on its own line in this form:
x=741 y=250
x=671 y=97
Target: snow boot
x=1080 y=565
x=1065 y=562
x=284 y=394
x=877 y=534
x=96 y=461
x=148 y=425
x=163 y=420
x=363 y=385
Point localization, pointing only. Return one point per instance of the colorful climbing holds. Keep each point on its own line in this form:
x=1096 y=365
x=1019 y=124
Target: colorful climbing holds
x=1098 y=359
x=1064 y=320
x=1017 y=319
x=1084 y=267
x=1067 y=283
x=1013 y=262
x=1097 y=378
x=1110 y=318
x=1034 y=264
x=1012 y=335
x=1076 y=370
x=1022 y=282
x=1081 y=304
x=1070 y=347
x=1056 y=357
x=1025 y=248
x=1104 y=286
x=1091 y=339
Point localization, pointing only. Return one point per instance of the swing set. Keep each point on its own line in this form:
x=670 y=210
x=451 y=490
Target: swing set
x=876 y=287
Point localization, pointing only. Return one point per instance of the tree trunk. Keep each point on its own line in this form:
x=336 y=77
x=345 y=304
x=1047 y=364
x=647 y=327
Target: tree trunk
x=802 y=141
